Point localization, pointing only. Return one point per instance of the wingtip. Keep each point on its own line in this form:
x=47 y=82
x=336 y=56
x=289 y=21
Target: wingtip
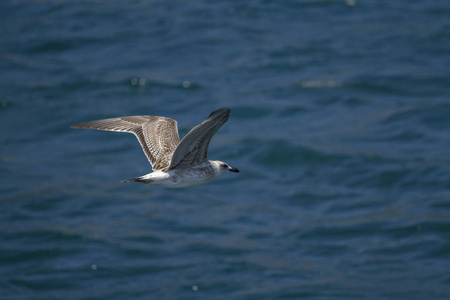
x=80 y=126
x=221 y=111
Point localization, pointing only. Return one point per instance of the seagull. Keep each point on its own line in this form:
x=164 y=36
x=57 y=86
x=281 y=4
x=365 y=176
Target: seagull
x=175 y=163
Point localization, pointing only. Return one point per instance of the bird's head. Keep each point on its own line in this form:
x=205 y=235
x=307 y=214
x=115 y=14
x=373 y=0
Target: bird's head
x=220 y=167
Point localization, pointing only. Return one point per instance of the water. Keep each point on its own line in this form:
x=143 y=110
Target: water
x=340 y=125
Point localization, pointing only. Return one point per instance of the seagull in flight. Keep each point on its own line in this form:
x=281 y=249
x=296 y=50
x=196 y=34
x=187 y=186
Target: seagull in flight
x=175 y=163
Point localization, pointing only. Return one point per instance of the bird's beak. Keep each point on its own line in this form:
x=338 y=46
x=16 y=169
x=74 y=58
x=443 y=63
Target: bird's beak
x=234 y=170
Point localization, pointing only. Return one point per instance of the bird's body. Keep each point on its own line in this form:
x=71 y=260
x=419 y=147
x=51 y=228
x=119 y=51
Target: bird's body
x=175 y=163
x=182 y=177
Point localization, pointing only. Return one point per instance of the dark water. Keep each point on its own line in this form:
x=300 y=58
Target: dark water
x=340 y=125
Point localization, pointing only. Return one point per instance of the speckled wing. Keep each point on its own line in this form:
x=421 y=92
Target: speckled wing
x=158 y=136
x=193 y=148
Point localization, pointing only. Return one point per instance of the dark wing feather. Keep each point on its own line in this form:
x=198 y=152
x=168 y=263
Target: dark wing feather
x=158 y=136
x=193 y=148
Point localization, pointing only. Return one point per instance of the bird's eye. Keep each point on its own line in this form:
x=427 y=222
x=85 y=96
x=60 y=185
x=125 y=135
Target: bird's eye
x=224 y=166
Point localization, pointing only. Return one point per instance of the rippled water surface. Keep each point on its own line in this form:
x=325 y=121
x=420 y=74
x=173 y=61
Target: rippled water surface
x=340 y=125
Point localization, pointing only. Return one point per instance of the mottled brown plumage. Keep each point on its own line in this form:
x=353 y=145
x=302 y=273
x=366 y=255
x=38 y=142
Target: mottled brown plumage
x=158 y=136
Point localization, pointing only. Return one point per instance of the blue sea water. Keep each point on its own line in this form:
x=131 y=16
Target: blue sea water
x=340 y=126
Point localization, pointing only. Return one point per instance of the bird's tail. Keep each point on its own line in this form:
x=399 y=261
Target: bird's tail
x=139 y=179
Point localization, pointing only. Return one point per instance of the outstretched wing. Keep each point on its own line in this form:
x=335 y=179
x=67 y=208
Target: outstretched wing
x=158 y=136
x=193 y=148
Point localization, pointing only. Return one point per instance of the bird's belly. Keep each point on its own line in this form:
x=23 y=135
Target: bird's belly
x=184 y=178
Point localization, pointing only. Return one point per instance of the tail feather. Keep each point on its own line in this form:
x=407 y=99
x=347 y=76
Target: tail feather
x=138 y=179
